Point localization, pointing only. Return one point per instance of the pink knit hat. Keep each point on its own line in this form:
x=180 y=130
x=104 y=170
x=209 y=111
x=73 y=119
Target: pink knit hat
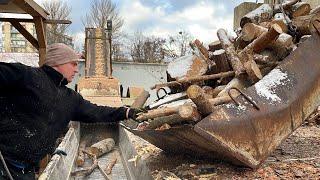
x=60 y=53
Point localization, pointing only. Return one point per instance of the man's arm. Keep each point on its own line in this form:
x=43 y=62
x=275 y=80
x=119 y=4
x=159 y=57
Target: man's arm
x=11 y=73
x=90 y=113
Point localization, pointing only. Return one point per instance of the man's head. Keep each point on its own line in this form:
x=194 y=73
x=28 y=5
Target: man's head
x=63 y=59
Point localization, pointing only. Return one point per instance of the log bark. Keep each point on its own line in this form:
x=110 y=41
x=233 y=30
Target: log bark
x=181 y=68
x=315 y=10
x=197 y=95
x=102 y=147
x=304 y=25
x=141 y=99
x=264 y=39
x=250 y=65
x=230 y=52
x=213 y=92
x=155 y=113
x=221 y=60
x=286 y=6
x=216 y=45
x=251 y=31
x=239 y=43
x=185 y=113
x=219 y=100
x=202 y=49
x=158 y=122
x=300 y=9
x=283 y=45
x=261 y=14
x=194 y=79
x=266 y=57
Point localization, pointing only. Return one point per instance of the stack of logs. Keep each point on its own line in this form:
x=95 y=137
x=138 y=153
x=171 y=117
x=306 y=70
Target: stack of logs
x=202 y=81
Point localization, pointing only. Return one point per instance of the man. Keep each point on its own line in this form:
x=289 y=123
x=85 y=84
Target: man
x=36 y=106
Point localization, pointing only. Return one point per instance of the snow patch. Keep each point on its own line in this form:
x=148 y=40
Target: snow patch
x=266 y=86
x=180 y=66
x=218 y=52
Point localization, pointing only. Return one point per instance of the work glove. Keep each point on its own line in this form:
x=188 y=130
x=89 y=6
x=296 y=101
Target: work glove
x=133 y=113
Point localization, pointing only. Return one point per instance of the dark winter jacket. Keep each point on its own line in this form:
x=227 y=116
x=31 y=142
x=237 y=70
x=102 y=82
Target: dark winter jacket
x=36 y=106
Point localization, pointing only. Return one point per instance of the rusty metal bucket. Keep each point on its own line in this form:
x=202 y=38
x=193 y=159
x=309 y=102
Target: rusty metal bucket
x=243 y=134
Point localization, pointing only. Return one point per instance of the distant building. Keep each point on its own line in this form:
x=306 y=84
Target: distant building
x=12 y=41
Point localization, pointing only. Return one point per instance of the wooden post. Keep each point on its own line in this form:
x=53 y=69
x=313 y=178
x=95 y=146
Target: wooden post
x=41 y=39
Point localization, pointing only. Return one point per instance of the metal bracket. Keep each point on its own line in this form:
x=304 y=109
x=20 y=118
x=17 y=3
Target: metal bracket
x=249 y=99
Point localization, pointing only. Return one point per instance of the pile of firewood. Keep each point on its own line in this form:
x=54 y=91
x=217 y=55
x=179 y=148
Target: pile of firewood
x=200 y=82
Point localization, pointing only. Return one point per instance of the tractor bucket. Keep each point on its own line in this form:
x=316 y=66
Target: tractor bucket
x=246 y=131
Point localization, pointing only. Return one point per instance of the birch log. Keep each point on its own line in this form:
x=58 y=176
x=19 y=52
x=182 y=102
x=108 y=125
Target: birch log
x=261 y=14
x=102 y=147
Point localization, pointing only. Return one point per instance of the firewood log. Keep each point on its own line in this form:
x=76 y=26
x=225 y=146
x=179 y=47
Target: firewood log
x=82 y=146
x=102 y=147
x=194 y=79
x=266 y=57
x=283 y=45
x=251 y=31
x=304 y=25
x=184 y=113
x=261 y=14
x=154 y=113
x=202 y=49
x=239 y=43
x=197 y=95
x=300 y=9
x=281 y=21
x=287 y=5
x=221 y=60
x=315 y=10
x=264 y=39
x=250 y=65
x=187 y=66
x=230 y=52
x=215 y=46
x=219 y=100
x=189 y=113
x=212 y=92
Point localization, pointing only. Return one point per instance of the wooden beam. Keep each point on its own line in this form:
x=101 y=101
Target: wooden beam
x=48 y=21
x=31 y=7
x=40 y=29
x=25 y=33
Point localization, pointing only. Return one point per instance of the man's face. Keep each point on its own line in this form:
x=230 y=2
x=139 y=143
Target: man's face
x=68 y=70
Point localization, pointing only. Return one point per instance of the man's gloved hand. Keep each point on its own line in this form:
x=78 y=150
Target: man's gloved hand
x=133 y=113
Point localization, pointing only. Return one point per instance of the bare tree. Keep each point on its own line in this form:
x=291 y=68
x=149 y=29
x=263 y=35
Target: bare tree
x=147 y=49
x=100 y=12
x=178 y=45
x=58 y=10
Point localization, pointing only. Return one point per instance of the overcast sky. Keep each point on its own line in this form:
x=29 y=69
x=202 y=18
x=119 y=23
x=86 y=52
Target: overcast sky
x=161 y=18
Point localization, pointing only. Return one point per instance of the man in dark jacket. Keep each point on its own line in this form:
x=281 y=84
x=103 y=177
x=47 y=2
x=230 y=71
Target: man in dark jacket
x=36 y=106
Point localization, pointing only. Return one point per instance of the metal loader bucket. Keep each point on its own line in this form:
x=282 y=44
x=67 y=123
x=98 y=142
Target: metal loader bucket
x=243 y=134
